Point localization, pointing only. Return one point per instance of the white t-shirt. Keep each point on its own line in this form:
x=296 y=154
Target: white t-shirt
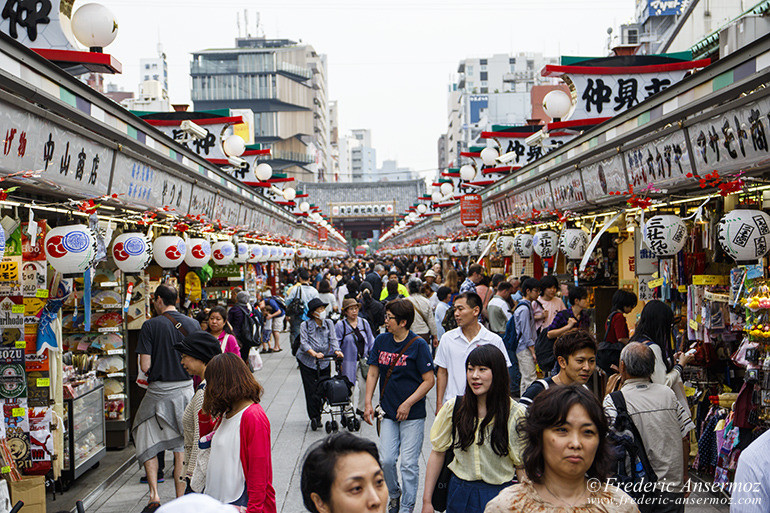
x=224 y=478
x=501 y=303
x=453 y=351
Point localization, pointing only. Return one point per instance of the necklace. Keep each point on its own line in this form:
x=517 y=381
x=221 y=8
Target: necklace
x=569 y=505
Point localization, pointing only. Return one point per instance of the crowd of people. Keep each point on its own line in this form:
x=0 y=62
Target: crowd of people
x=532 y=412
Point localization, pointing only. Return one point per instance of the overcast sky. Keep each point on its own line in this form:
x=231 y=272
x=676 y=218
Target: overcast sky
x=390 y=61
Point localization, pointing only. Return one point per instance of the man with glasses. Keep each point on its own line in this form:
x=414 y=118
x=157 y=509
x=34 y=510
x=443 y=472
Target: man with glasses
x=401 y=360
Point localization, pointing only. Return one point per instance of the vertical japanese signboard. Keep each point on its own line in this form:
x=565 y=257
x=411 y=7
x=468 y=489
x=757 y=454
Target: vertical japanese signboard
x=323 y=234
x=470 y=210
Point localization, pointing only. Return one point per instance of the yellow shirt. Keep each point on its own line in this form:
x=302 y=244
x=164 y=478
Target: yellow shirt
x=401 y=290
x=479 y=462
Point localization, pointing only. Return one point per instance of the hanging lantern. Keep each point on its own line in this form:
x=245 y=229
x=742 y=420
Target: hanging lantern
x=745 y=234
x=665 y=235
x=70 y=249
x=463 y=249
x=131 y=251
x=303 y=253
x=223 y=252
x=504 y=245
x=573 y=242
x=255 y=252
x=242 y=255
x=198 y=252
x=523 y=245
x=545 y=243
x=168 y=251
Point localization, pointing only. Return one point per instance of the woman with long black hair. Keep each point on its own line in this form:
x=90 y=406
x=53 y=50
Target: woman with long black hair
x=482 y=431
x=654 y=328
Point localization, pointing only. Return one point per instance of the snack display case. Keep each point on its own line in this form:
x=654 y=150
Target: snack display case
x=85 y=434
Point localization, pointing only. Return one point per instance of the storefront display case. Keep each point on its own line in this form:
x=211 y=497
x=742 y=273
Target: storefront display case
x=85 y=434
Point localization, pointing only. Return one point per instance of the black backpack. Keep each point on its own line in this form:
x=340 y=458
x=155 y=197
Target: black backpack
x=631 y=463
x=248 y=335
x=296 y=306
x=449 y=322
x=544 y=351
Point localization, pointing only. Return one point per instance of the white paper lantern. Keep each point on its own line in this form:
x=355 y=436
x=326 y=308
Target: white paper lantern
x=573 y=243
x=70 y=249
x=454 y=249
x=488 y=156
x=524 y=245
x=303 y=253
x=168 y=251
x=467 y=172
x=275 y=253
x=545 y=243
x=665 y=235
x=255 y=253
x=504 y=245
x=242 y=253
x=223 y=252
x=745 y=234
x=131 y=251
x=198 y=253
x=234 y=146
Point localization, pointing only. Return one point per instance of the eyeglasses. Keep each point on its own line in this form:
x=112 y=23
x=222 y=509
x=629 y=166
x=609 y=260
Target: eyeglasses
x=389 y=317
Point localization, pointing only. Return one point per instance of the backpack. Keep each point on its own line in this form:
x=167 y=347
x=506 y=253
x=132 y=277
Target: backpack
x=631 y=464
x=281 y=305
x=248 y=335
x=511 y=335
x=544 y=351
x=449 y=322
x=296 y=306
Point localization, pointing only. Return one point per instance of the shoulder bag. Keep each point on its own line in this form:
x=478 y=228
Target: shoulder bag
x=441 y=491
x=378 y=411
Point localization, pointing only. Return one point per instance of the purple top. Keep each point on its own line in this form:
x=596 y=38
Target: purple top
x=348 y=346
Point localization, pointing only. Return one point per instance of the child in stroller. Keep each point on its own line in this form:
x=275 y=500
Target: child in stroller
x=335 y=393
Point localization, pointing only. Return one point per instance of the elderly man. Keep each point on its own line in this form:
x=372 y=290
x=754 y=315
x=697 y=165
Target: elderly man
x=662 y=423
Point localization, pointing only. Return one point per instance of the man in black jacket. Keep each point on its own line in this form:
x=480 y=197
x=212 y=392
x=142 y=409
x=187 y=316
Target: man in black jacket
x=375 y=280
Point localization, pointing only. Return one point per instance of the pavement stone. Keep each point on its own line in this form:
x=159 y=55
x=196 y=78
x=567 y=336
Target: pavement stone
x=284 y=403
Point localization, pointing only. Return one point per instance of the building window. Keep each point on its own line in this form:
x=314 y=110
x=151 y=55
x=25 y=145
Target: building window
x=483 y=62
x=484 y=90
x=530 y=64
x=470 y=70
x=483 y=83
x=483 y=75
x=483 y=67
x=146 y=66
x=512 y=61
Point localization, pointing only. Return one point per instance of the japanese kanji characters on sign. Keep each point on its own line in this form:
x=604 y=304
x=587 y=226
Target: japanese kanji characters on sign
x=470 y=210
x=661 y=162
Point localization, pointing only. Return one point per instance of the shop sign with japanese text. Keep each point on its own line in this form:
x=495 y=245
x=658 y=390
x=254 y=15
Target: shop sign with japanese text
x=146 y=186
x=603 y=177
x=661 y=163
x=470 y=210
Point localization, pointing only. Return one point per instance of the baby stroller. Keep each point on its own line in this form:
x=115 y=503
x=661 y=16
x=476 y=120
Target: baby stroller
x=335 y=393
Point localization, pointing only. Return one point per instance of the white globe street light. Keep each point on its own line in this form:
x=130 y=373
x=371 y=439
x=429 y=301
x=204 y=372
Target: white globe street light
x=422 y=208
x=557 y=104
x=289 y=194
x=467 y=172
x=94 y=26
x=304 y=206
x=488 y=156
x=436 y=197
x=263 y=172
x=234 y=146
x=446 y=188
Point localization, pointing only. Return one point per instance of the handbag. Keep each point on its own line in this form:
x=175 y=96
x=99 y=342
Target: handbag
x=378 y=411
x=255 y=360
x=441 y=491
x=296 y=306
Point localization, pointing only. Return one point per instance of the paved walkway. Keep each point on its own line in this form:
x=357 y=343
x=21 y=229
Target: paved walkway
x=284 y=403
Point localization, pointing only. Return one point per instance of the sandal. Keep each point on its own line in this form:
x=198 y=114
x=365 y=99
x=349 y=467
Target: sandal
x=277 y=350
x=151 y=507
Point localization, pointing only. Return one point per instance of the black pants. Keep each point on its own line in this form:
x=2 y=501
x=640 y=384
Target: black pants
x=310 y=378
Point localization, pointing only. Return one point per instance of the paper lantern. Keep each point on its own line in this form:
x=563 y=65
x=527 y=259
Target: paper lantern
x=303 y=253
x=255 y=253
x=504 y=245
x=198 y=252
x=242 y=253
x=463 y=249
x=168 y=251
x=70 y=249
x=223 y=252
x=131 y=251
x=665 y=235
x=454 y=249
x=523 y=245
x=744 y=234
x=275 y=253
x=545 y=243
x=573 y=243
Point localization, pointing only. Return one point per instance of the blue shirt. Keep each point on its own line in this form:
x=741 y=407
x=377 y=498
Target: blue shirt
x=525 y=325
x=407 y=372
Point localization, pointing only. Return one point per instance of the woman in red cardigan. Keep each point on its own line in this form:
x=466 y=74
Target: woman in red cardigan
x=240 y=470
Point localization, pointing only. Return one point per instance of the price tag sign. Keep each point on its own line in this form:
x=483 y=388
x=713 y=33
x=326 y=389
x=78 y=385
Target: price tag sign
x=18 y=412
x=654 y=284
x=21 y=344
x=42 y=293
x=683 y=289
x=17 y=309
x=5 y=470
x=709 y=279
x=43 y=382
x=693 y=324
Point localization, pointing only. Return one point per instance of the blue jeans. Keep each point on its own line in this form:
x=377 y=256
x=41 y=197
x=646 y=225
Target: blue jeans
x=404 y=438
x=514 y=374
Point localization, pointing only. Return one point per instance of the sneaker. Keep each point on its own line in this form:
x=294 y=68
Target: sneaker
x=394 y=504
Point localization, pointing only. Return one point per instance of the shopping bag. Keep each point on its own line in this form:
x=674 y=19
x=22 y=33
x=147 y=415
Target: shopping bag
x=255 y=360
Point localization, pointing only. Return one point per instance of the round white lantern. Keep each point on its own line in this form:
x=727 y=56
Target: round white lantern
x=454 y=249
x=467 y=172
x=573 y=243
x=745 y=234
x=545 y=243
x=242 y=253
x=304 y=206
x=488 y=156
x=422 y=208
x=289 y=193
x=275 y=253
x=255 y=253
x=464 y=249
x=131 y=251
x=665 y=235
x=557 y=104
x=303 y=253
x=70 y=249
x=223 y=252
x=263 y=172
x=446 y=188
x=436 y=197
x=234 y=145
x=94 y=26
x=504 y=245
x=198 y=253
x=168 y=251
x=523 y=245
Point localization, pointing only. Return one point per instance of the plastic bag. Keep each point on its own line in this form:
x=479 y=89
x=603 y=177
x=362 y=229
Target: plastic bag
x=255 y=360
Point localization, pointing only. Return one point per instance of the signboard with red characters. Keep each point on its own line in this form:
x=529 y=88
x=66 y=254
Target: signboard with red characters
x=323 y=234
x=470 y=210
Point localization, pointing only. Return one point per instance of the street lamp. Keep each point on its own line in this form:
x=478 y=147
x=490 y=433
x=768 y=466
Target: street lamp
x=264 y=172
x=422 y=208
x=557 y=104
x=467 y=173
x=94 y=26
x=446 y=188
x=289 y=194
x=304 y=206
x=436 y=197
x=488 y=156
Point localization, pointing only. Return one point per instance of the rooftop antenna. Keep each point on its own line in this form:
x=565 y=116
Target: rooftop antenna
x=258 y=30
x=246 y=22
x=238 y=22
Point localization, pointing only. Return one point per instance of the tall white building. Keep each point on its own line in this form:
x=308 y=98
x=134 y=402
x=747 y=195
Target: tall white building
x=358 y=160
x=490 y=91
x=153 y=85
